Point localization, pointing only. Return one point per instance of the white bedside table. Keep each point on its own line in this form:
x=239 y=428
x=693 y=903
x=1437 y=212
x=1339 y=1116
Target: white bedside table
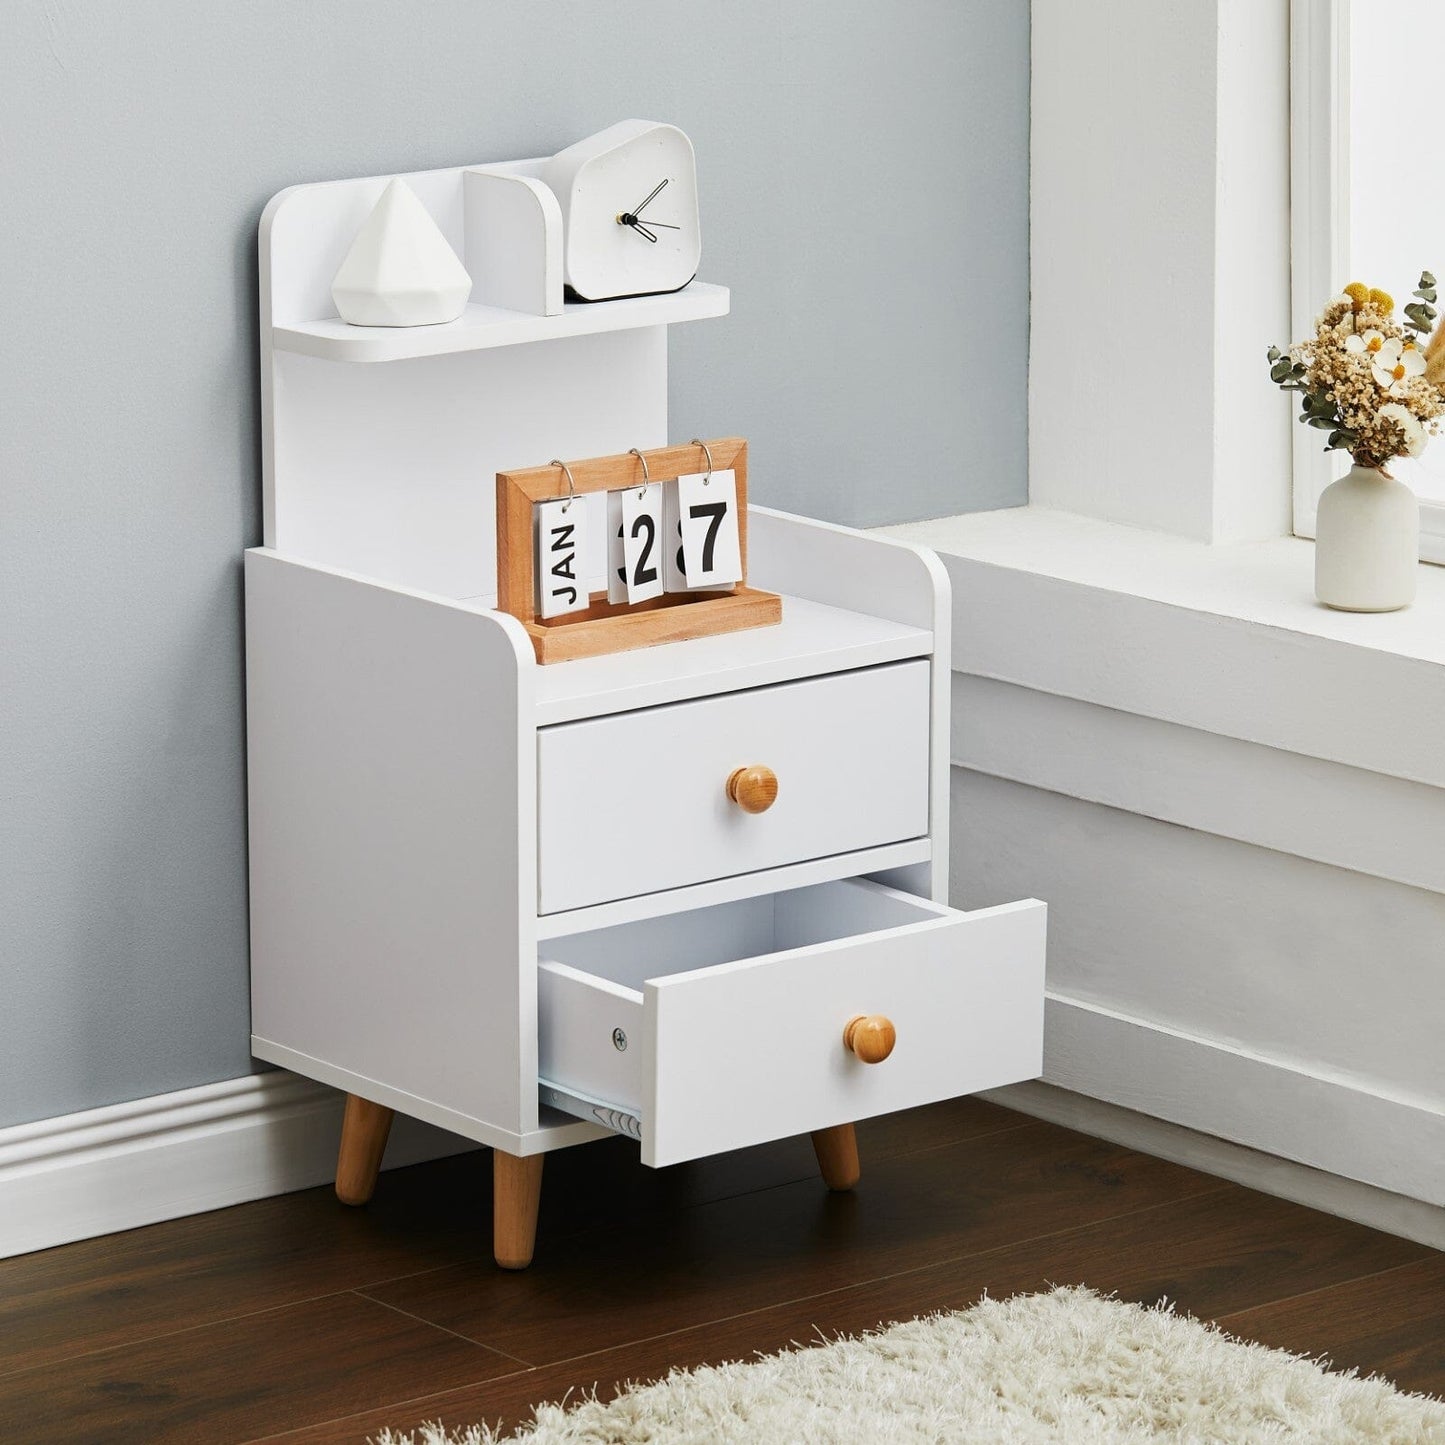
x=520 y=902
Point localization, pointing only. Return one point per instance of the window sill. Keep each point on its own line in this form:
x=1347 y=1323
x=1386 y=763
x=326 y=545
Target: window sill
x=1226 y=638
x=1270 y=584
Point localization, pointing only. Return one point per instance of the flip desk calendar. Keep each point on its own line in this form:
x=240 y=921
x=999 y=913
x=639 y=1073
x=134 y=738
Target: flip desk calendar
x=691 y=892
x=674 y=550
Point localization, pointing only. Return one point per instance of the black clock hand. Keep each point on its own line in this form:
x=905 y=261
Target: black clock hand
x=628 y=219
x=651 y=196
x=634 y=218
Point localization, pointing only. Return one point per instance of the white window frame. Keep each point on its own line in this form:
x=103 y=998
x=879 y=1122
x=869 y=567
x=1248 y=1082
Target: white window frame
x=1159 y=239
x=1320 y=226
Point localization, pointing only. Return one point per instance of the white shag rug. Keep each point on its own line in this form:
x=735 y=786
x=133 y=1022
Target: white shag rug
x=1067 y=1368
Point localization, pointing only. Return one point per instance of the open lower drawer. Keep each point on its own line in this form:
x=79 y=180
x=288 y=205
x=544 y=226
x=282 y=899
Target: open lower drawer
x=721 y=1027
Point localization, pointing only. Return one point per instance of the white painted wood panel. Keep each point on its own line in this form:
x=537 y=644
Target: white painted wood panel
x=1226 y=639
x=669 y=943
x=392 y=839
x=812 y=639
x=1168 y=179
x=1268 y=584
x=1250 y=431
x=1319 y=99
x=513 y=245
x=589 y=1033
x=1329 y=1121
x=1348 y=704
x=390 y=471
x=1197 y=1149
x=747 y=1051
x=554 y=1130
x=1321 y=970
x=127 y=1165
x=482 y=328
x=636 y=803
x=862 y=571
x=906 y=583
x=1286 y=801
x=1133 y=134
x=876 y=863
x=742 y=1009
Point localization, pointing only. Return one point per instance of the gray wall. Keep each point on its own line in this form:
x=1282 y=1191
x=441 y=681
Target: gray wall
x=864 y=180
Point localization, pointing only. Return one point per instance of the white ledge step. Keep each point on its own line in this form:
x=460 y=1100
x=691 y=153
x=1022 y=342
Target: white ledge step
x=1227 y=639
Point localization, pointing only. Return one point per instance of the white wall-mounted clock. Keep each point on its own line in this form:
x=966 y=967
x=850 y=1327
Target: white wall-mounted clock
x=629 y=211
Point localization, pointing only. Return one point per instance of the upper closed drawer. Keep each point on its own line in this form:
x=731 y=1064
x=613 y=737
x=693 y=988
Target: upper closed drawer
x=638 y=802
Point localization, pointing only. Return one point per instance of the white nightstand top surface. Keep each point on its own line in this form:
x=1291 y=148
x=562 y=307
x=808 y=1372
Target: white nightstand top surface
x=811 y=639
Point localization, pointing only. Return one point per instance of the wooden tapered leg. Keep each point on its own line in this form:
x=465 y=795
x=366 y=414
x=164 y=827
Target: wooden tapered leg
x=516 y=1193
x=364 y=1128
x=837 y=1151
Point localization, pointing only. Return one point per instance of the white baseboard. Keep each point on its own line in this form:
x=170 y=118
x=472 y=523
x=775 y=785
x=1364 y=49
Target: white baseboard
x=198 y=1149
x=133 y=1164
x=1252 y=1120
x=1285 y=1179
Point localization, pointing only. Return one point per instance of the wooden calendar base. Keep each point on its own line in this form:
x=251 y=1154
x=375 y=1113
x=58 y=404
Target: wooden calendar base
x=364 y=1128
x=607 y=627
x=837 y=1151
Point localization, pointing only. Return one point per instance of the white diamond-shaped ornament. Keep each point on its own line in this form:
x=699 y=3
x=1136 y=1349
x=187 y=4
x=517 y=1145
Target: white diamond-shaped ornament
x=400 y=271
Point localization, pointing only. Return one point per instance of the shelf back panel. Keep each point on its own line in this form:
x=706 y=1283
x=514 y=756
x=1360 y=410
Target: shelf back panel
x=390 y=470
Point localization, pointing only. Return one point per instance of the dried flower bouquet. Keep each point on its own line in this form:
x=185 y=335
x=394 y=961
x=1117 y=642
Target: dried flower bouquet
x=1365 y=379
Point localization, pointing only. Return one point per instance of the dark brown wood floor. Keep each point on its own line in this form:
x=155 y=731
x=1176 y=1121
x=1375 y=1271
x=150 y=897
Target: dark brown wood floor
x=298 y=1319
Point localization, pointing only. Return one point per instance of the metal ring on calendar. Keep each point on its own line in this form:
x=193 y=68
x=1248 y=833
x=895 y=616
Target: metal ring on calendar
x=632 y=451
x=571 y=485
x=698 y=442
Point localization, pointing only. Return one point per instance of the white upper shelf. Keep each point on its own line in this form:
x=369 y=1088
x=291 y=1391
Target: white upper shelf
x=481 y=327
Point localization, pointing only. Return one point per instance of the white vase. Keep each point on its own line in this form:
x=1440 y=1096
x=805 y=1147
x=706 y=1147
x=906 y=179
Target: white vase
x=1367 y=543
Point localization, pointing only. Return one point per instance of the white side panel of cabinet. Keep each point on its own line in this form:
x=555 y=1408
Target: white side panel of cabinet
x=841 y=567
x=392 y=837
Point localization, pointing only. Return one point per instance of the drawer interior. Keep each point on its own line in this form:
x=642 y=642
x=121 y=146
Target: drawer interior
x=631 y=953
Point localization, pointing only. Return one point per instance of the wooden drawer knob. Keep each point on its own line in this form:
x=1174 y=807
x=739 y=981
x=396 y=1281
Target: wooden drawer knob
x=753 y=789
x=871 y=1037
